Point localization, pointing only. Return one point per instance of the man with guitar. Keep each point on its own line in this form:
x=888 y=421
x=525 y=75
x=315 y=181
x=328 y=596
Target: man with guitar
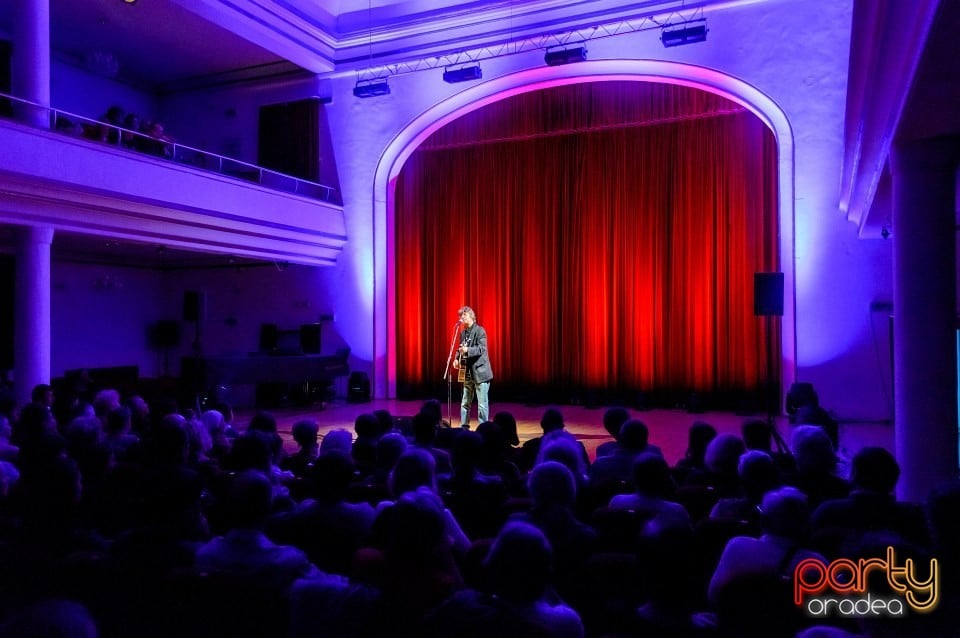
x=474 y=368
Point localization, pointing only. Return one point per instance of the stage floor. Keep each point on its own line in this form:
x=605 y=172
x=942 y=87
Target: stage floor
x=668 y=428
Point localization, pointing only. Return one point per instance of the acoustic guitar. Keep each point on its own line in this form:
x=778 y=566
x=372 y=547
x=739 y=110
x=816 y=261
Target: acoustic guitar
x=462 y=358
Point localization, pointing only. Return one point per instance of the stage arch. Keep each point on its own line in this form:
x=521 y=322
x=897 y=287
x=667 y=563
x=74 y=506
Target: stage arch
x=478 y=96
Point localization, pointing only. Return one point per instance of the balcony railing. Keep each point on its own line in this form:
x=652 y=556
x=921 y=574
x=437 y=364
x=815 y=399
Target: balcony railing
x=79 y=126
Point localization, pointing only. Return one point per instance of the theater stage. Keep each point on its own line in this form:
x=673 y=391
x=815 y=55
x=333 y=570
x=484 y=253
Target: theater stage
x=668 y=428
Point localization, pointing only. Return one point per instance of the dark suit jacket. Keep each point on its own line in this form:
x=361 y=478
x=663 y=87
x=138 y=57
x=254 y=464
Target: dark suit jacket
x=478 y=361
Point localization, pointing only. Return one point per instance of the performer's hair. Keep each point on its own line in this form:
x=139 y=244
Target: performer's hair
x=468 y=310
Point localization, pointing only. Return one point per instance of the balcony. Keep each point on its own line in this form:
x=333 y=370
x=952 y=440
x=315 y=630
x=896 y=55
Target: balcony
x=134 y=186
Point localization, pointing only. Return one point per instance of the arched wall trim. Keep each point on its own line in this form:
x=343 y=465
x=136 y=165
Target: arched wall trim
x=478 y=96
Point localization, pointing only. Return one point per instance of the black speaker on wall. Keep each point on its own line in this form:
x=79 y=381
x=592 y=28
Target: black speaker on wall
x=165 y=334
x=194 y=305
x=768 y=294
x=269 y=337
x=310 y=338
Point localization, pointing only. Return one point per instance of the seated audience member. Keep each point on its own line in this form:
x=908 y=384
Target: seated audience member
x=758 y=435
x=161 y=534
x=338 y=440
x=665 y=557
x=758 y=475
x=154 y=140
x=139 y=415
x=131 y=124
x=816 y=463
x=108 y=131
x=613 y=420
x=425 y=437
x=760 y=570
x=42 y=394
x=560 y=446
x=871 y=505
x=364 y=450
x=390 y=447
x=444 y=434
x=305 y=433
x=251 y=451
x=86 y=446
x=244 y=550
x=324 y=525
x=416 y=469
x=808 y=415
x=50 y=527
x=553 y=496
x=104 y=402
x=36 y=436
x=163 y=475
x=508 y=425
x=227 y=411
x=551 y=421
x=618 y=465
x=332 y=605
x=519 y=572
x=654 y=486
x=117 y=437
x=267 y=424
x=217 y=428
x=384 y=420
x=698 y=438
x=200 y=443
x=413 y=567
x=496 y=457
x=720 y=466
x=517 y=600
x=476 y=499
x=803 y=406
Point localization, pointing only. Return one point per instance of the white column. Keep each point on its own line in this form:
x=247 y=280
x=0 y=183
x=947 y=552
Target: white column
x=31 y=323
x=924 y=310
x=30 y=59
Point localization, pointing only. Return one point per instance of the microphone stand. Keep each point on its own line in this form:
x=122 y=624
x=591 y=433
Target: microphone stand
x=449 y=377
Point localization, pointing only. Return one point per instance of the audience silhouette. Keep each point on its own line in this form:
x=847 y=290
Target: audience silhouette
x=131 y=509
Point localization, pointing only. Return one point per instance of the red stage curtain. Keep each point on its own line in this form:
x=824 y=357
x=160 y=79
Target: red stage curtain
x=606 y=235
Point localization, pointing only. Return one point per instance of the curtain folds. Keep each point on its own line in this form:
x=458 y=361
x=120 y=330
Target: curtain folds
x=606 y=235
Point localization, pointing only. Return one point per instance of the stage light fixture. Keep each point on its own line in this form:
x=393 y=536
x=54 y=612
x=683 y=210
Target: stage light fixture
x=462 y=74
x=556 y=57
x=673 y=35
x=371 y=88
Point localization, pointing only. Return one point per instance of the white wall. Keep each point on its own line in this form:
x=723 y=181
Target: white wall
x=78 y=91
x=238 y=300
x=101 y=314
x=99 y=317
x=226 y=120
